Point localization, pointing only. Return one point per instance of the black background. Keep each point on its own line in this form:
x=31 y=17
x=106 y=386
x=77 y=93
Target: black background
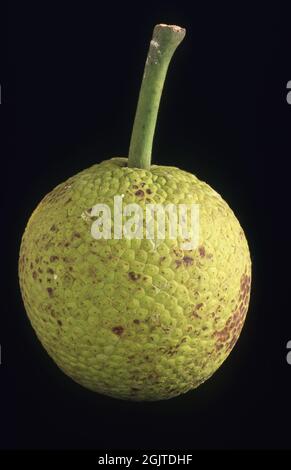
x=70 y=84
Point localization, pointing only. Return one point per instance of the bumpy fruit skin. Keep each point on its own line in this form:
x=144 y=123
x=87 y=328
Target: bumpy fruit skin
x=134 y=319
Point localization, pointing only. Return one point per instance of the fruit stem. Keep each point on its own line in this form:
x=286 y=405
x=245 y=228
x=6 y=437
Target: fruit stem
x=165 y=40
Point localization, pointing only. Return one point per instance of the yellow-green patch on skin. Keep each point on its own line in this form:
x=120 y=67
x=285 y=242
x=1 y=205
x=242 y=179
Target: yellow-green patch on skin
x=134 y=319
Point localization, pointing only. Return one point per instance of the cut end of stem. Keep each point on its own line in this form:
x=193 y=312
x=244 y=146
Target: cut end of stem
x=173 y=29
x=165 y=40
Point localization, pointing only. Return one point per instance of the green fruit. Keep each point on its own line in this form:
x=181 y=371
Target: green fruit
x=134 y=319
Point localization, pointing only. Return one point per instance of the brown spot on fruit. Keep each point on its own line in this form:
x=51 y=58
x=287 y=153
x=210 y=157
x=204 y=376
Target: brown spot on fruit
x=53 y=228
x=54 y=258
x=60 y=323
x=135 y=186
x=137 y=322
x=139 y=193
x=162 y=258
x=233 y=341
x=195 y=314
x=195 y=311
x=178 y=263
x=223 y=334
x=50 y=291
x=50 y=271
x=133 y=276
x=76 y=235
x=118 y=330
x=149 y=191
x=201 y=250
x=245 y=285
x=172 y=351
x=187 y=260
x=34 y=275
x=230 y=333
